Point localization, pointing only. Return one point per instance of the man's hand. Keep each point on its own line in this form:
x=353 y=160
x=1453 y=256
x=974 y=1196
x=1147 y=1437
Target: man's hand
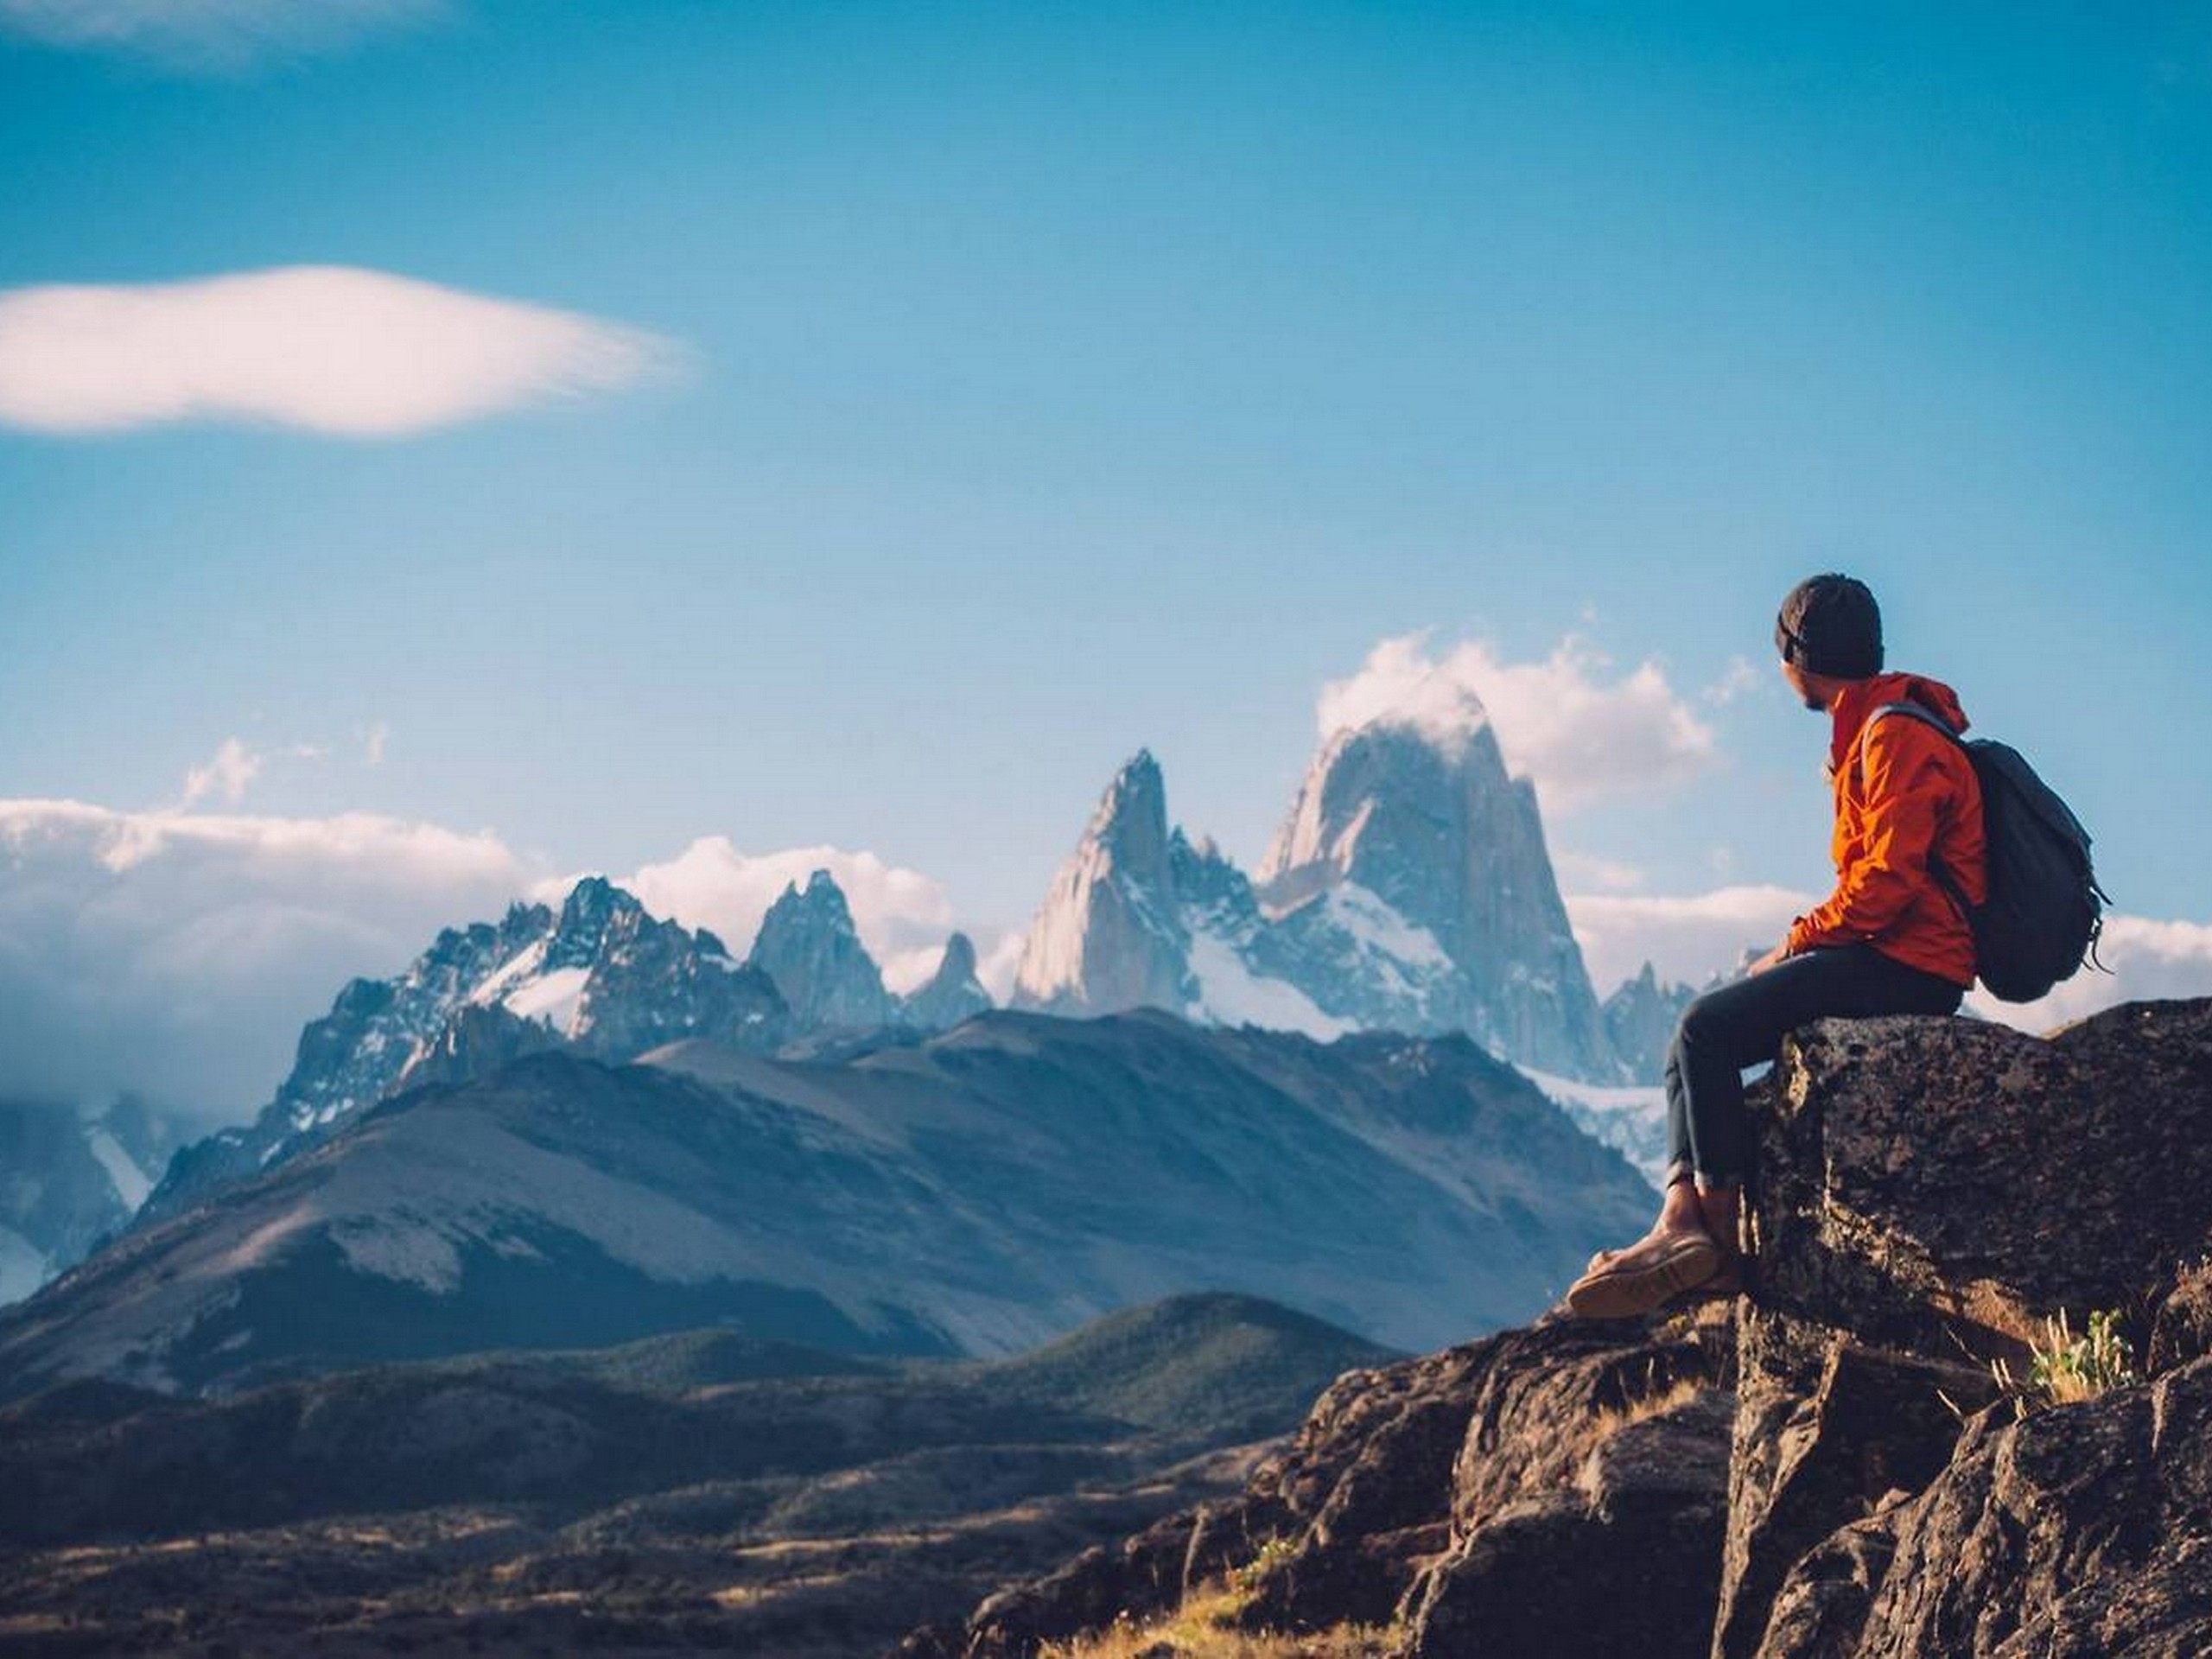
x=1779 y=954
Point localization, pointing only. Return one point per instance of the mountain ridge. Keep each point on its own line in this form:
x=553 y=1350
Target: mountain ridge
x=974 y=1189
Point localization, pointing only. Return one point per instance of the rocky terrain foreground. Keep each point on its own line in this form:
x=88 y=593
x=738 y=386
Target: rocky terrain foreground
x=1830 y=1466
x=706 y=1491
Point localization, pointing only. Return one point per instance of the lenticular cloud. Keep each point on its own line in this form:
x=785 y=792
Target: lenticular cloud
x=334 y=349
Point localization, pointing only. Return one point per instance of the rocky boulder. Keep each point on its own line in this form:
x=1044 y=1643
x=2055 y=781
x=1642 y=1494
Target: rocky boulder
x=1930 y=1191
x=1429 y=1494
x=1924 y=1181
x=2083 y=1530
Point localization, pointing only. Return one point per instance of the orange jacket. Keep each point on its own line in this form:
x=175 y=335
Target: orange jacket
x=1909 y=792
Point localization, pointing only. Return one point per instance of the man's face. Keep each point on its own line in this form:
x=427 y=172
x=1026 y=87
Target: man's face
x=1801 y=686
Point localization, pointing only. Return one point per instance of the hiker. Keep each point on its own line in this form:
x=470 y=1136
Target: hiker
x=1889 y=940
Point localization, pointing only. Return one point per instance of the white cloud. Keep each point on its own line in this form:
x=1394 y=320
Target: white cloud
x=1583 y=734
x=374 y=743
x=333 y=349
x=996 y=964
x=1687 y=938
x=2148 y=959
x=1401 y=684
x=209 y=35
x=902 y=915
x=1585 y=870
x=179 y=954
x=233 y=769
x=1737 y=678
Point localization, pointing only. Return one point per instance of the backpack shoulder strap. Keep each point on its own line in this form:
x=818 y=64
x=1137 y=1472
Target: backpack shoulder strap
x=1926 y=717
x=1920 y=712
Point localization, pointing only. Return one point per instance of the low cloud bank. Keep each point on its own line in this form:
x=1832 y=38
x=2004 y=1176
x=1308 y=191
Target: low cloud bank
x=178 y=954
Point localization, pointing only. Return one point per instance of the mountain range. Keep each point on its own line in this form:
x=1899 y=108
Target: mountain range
x=598 y=977
x=974 y=1190
x=1408 y=888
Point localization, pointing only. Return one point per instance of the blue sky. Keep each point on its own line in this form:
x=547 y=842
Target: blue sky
x=1055 y=380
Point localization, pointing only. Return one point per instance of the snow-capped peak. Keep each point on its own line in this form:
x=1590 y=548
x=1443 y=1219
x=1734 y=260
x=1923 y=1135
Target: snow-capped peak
x=601 y=975
x=1452 y=847
x=1408 y=888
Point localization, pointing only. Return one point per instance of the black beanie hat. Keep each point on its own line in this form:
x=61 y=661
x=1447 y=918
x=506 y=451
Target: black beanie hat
x=1830 y=625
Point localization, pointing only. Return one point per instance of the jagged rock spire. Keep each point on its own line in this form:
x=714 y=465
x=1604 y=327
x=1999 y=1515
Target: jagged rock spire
x=1109 y=935
x=953 y=992
x=809 y=946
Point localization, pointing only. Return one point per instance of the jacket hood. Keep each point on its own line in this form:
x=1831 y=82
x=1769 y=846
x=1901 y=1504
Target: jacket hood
x=1864 y=696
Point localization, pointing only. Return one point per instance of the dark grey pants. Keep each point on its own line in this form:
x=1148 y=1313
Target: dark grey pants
x=1743 y=1024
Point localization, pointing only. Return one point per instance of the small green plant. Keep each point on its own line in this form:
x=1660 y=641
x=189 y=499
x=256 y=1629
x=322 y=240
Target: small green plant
x=1273 y=1555
x=2066 y=1368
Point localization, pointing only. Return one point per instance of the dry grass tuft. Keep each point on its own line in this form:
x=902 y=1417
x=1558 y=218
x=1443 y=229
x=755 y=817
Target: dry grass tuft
x=1611 y=1419
x=1200 y=1629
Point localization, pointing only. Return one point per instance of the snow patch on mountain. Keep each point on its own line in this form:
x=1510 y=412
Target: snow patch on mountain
x=1230 y=993
x=1630 y=1120
x=131 y=1183
x=23 y=1265
x=1380 y=931
x=551 y=999
x=512 y=975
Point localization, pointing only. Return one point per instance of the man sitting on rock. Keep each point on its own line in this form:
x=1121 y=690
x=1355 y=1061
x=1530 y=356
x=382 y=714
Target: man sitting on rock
x=1890 y=939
